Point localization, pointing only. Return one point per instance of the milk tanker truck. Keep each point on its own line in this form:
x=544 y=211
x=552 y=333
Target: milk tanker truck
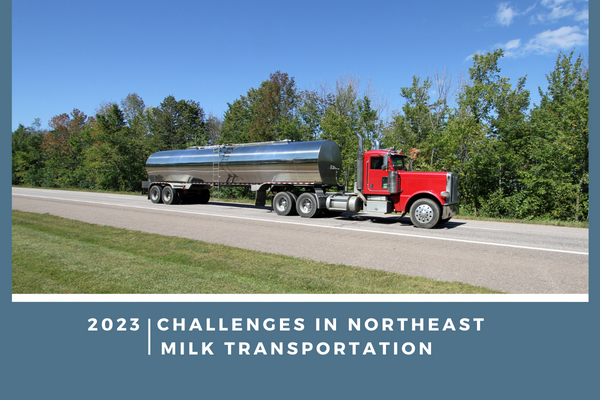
x=303 y=176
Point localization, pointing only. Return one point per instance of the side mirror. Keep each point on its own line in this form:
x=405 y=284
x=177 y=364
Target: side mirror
x=385 y=162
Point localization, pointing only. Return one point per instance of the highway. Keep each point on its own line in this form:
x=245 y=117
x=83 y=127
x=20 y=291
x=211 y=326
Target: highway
x=509 y=257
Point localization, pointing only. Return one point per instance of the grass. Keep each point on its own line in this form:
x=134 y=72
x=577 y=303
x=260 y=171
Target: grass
x=56 y=255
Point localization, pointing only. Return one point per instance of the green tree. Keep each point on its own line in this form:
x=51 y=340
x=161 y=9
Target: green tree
x=463 y=150
x=235 y=127
x=499 y=111
x=341 y=123
x=559 y=149
x=311 y=110
x=420 y=125
x=342 y=130
x=213 y=129
x=412 y=128
x=63 y=147
x=133 y=109
x=265 y=114
x=115 y=161
x=275 y=110
x=27 y=155
x=138 y=118
x=177 y=124
x=368 y=121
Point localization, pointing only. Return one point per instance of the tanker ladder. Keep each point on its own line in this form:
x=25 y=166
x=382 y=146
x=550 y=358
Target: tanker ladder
x=215 y=170
x=216 y=167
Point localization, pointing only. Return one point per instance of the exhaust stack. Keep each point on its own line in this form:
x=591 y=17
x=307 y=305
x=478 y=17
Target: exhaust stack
x=359 y=165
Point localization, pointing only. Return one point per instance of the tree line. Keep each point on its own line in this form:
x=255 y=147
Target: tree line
x=513 y=159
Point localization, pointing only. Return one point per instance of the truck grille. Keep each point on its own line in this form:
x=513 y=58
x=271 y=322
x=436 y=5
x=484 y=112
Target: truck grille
x=452 y=187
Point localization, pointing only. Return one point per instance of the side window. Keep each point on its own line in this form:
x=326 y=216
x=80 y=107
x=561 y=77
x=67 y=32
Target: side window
x=376 y=162
x=399 y=163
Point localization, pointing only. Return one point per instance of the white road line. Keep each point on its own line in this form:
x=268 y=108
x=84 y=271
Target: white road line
x=174 y=210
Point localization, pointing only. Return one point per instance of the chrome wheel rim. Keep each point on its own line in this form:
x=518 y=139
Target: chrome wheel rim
x=282 y=204
x=424 y=213
x=306 y=206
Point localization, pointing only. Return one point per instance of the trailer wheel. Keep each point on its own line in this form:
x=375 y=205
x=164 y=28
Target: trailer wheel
x=284 y=203
x=155 y=194
x=425 y=213
x=204 y=196
x=307 y=205
x=169 y=195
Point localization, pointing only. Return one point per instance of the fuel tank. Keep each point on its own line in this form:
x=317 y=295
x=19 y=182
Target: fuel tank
x=253 y=163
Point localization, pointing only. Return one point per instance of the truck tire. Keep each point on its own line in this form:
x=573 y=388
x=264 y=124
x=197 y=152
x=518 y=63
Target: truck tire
x=307 y=205
x=169 y=195
x=204 y=196
x=155 y=194
x=284 y=203
x=424 y=213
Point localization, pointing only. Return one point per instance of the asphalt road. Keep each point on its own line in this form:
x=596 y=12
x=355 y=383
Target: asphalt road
x=513 y=258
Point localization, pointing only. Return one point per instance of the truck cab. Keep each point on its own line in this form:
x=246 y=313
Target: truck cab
x=389 y=185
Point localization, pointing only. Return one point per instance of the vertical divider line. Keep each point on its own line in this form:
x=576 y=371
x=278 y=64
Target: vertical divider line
x=149 y=337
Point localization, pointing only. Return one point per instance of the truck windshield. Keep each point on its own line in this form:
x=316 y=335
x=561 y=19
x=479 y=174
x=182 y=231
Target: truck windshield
x=400 y=163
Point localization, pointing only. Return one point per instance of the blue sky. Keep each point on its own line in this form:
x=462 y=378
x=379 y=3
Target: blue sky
x=80 y=54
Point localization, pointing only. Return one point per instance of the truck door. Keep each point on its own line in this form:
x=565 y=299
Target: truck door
x=377 y=177
x=400 y=163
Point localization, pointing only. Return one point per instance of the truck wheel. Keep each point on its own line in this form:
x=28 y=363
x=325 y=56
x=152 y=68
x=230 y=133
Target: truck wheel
x=169 y=195
x=284 y=203
x=425 y=213
x=155 y=194
x=307 y=205
x=204 y=196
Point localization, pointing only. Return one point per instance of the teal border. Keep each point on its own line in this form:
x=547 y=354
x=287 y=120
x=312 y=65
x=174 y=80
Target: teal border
x=526 y=350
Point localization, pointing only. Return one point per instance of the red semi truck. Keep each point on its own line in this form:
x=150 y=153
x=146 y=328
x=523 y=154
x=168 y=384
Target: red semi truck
x=303 y=176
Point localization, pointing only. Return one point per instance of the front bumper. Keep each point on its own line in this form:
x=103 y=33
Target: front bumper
x=450 y=210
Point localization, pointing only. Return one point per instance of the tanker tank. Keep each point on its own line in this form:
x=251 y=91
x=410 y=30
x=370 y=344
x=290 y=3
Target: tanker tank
x=284 y=161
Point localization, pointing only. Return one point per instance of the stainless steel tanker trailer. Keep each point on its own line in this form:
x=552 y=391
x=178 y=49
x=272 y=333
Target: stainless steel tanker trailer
x=302 y=175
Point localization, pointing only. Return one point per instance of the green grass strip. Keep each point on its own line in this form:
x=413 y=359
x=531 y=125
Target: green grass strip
x=57 y=255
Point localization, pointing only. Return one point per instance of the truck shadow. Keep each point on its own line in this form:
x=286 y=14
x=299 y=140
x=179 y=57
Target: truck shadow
x=239 y=205
x=389 y=220
x=404 y=221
